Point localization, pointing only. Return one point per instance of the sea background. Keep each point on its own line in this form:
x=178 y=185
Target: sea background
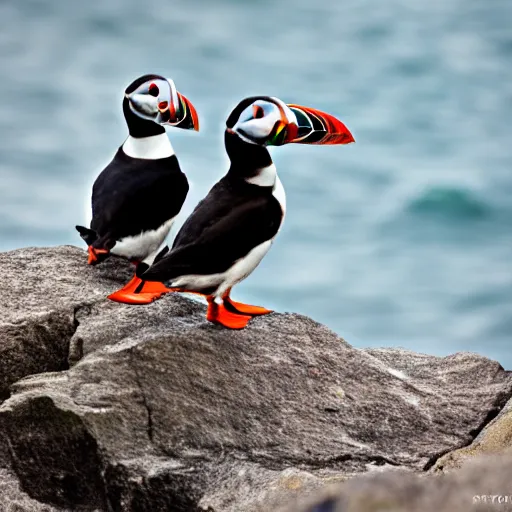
x=402 y=239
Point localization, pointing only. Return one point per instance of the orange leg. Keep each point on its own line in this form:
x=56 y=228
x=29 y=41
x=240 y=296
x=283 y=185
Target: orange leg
x=244 y=309
x=138 y=291
x=218 y=314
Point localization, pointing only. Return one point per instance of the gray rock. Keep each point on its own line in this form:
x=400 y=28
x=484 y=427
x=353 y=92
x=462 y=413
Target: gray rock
x=161 y=410
x=14 y=499
x=481 y=486
x=494 y=439
x=42 y=291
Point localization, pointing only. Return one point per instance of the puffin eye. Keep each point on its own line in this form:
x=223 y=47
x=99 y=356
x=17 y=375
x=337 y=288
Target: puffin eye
x=257 y=112
x=153 y=90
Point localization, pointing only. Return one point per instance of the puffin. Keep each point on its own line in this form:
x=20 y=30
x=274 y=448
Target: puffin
x=233 y=227
x=137 y=197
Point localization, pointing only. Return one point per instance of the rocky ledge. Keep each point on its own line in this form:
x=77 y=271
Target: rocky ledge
x=108 y=407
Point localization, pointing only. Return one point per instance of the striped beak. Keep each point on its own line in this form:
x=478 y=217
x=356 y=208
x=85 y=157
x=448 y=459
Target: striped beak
x=316 y=127
x=189 y=119
x=160 y=102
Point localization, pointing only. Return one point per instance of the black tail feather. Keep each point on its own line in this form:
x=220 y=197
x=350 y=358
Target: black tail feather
x=161 y=254
x=140 y=269
x=143 y=267
x=89 y=236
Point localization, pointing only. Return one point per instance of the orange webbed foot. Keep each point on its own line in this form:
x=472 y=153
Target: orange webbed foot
x=134 y=298
x=138 y=291
x=245 y=309
x=218 y=314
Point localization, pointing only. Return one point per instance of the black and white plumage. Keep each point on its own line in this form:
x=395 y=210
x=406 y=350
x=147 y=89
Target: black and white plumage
x=231 y=230
x=224 y=239
x=134 y=204
x=137 y=197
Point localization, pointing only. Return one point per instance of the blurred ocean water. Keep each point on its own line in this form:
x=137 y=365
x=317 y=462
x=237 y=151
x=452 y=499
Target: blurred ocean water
x=404 y=238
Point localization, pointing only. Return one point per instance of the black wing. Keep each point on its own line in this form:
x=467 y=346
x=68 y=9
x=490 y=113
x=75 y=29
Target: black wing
x=223 y=228
x=133 y=195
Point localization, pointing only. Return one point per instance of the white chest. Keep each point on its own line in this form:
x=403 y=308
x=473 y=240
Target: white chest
x=149 y=148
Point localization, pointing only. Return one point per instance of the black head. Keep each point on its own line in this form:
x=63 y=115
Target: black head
x=151 y=102
x=268 y=121
x=261 y=121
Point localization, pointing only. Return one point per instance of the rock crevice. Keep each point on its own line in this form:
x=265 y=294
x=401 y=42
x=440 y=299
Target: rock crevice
x=501 y=401
x=145 y=401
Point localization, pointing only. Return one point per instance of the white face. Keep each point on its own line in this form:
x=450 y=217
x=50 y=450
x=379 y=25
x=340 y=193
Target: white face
x=153 y=99
x=256 y=124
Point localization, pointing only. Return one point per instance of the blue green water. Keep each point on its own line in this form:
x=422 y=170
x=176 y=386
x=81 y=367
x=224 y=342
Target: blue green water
x=403 y=238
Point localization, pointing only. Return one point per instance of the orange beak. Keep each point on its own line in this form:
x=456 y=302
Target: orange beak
x=317 y=127
x=93 y=255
